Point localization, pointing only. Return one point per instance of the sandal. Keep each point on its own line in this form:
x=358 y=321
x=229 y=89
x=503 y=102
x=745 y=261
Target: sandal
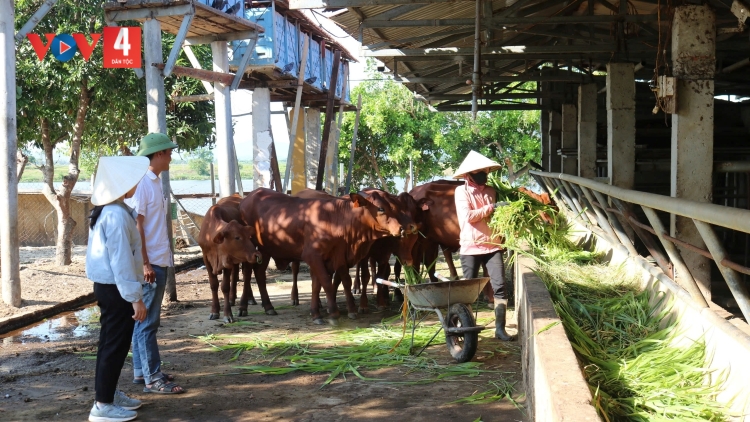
x=161 y=386
x=141 y=380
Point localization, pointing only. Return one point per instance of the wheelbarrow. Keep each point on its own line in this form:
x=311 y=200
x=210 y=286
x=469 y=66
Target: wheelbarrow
x=461 y=330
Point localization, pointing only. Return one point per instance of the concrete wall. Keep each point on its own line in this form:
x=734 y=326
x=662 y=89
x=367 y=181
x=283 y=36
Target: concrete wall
x=555 y=388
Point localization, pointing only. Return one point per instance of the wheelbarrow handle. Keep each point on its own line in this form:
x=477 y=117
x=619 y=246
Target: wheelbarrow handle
x=388 y=283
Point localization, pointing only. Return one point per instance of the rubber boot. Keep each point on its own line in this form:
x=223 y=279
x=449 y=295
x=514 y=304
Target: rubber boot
x=501 y=305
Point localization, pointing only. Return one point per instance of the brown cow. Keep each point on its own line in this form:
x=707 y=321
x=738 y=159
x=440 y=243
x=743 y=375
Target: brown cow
x=329 y=234
x=226 y=243
x=380 y=254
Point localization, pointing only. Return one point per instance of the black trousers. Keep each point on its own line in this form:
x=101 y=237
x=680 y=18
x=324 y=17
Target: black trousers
x=495 y=267
x=114 y=339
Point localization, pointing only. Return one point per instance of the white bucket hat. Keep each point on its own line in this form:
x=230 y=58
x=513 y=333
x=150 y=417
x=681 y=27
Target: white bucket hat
x=474 y=162
x=115 y=176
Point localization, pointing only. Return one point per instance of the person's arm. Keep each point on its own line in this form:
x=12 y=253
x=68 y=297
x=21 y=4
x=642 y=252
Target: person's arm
x=139 y=202
x=148 y=272
x=123 y=264
x=463 y=207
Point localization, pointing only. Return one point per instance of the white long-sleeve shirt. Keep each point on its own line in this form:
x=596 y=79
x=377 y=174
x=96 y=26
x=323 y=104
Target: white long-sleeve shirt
x=113 y=255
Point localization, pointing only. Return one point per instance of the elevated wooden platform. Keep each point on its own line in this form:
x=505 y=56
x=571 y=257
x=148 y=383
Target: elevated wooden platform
x=207 y=22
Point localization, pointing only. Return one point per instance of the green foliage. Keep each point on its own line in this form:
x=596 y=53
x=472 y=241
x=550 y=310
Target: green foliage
x=200 y=160
x=395 y=128
x=117 y=113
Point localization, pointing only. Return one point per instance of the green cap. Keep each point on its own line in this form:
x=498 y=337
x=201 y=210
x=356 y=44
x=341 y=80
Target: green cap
x=155 y=142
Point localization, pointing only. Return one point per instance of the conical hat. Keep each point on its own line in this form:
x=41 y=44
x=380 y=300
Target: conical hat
x=115 y=176
x=473 y=162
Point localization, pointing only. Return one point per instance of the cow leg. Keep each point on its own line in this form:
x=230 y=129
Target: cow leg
x=233 y=284
x=363 y=302
x=397 y=270
x=213 y=282
x=357 y=289
x=226 y=280
x=247 y=290
x=321 y=279
x=451 y=266
x=430 y=260
x=260 y=278
x=295 y=274
x=346 y=279
x=384 y=271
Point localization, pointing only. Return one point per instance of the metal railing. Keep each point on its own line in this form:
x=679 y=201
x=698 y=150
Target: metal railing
x=606 y=209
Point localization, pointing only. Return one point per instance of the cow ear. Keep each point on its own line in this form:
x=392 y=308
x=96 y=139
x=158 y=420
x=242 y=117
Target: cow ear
x=425 y=204
x=359 y=199
x=219 y=238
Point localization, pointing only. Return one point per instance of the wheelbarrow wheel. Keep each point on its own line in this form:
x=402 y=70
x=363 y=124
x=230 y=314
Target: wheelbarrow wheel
x=461 y=346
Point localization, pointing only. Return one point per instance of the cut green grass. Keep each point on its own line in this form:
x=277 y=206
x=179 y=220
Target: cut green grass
x=632 y=362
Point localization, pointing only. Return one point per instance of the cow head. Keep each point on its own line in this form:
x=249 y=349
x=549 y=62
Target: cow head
x=234 y=245
x=412 y=210
x=385 y=210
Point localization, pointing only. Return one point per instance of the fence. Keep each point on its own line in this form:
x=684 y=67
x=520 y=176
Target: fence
x=37 y=219
x=613 y=213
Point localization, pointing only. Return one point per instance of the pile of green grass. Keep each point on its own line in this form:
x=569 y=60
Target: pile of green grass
x=632 y=363
x=524 y=229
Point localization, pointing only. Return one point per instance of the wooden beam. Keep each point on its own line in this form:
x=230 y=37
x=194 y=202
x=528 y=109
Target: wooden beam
x=226 y=78
x=228 y=36
x=490 y=51
x=149 y=12
x=328 y=120
x=509 y=20
x=323 y=4
x=488 y=107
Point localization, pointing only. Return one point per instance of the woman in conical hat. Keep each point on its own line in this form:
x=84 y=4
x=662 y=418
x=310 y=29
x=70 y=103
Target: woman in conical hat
x=475 y=203
x=115 y=265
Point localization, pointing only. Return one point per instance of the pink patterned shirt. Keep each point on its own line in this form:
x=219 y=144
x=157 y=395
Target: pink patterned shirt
x=474 y=206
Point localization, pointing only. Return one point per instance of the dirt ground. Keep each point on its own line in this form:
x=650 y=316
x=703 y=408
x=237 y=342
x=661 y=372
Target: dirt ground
x=46 y=372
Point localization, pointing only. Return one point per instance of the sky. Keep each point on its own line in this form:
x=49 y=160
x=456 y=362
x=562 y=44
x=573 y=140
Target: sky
x=242 y=99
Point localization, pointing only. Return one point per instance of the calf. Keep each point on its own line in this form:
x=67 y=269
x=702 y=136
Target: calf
x=329 y=234
x=226 y=243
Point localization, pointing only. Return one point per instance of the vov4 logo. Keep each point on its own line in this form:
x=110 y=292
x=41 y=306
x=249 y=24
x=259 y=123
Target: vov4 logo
x=122 y=46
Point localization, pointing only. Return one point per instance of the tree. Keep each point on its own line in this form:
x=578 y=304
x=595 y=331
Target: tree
x=395 y=128
x=200 y=161
x=82 y=104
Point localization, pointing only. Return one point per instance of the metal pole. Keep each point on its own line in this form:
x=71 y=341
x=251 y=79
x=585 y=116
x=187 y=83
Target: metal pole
x=156 y=113
x=295 y=118
x=734 y=281
x=213 y=186
x=11 y=278
x=684 y=277
x=411 y=174
x=624 y=239
x=645 y=236
x=354 y=145
x=475 y=83
x=34 y=20
x=603 y=222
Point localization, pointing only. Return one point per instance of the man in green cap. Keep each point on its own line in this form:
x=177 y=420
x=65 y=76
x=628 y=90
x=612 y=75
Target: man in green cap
x=152 y=206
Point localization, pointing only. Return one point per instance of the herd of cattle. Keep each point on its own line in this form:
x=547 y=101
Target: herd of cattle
x=331 y=234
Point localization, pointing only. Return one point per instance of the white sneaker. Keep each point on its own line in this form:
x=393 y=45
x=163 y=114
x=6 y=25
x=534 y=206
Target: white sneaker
x=111 y=413
x=126 y=402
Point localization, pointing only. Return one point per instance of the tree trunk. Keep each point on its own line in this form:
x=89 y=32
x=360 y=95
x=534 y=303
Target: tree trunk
x=376 y=168
x=21 y=161
x=60 y=200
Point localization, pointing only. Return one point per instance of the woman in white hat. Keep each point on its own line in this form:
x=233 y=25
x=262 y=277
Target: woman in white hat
x=115 y=265
x=475 y=203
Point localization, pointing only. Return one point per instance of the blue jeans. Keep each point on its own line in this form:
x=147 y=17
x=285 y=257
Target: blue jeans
x=146 y=359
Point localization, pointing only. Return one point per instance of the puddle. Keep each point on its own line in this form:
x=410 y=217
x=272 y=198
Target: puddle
x=66 y=326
